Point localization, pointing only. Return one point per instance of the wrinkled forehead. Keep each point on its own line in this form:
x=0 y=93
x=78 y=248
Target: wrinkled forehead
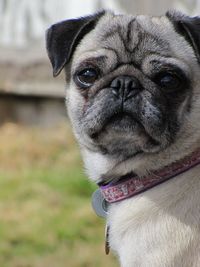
x=135 y=39
x=128 y=37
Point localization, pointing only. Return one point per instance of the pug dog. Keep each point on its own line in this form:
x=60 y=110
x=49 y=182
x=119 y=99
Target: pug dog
x=133 y=98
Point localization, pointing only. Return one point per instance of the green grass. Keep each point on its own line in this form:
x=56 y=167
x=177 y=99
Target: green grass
x=45 y=213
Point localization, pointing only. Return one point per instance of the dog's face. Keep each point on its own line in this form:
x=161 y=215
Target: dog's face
x=131 y=80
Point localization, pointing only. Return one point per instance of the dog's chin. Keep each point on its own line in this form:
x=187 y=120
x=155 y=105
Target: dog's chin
x=122 y=136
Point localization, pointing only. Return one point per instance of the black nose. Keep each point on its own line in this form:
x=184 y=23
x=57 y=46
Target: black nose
x=125 y=87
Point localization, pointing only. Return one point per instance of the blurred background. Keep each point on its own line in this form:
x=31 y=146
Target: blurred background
x=45 y=213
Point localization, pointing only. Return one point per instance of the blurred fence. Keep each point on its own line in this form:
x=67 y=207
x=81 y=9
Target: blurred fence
x=22 y=21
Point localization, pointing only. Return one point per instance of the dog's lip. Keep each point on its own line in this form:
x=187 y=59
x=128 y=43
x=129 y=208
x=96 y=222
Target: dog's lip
x=121 y=115
x=111 y=119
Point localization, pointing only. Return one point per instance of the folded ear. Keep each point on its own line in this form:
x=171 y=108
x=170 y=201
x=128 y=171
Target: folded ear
x=63 y=37
x=188 y=27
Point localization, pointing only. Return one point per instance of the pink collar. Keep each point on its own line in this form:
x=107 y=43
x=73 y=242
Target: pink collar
x=131 y=185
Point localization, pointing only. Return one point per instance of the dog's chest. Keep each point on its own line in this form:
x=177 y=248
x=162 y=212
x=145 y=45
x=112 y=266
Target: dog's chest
x=153 y=230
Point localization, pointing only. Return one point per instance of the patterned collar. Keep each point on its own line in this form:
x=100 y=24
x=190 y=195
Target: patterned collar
x=131 y=185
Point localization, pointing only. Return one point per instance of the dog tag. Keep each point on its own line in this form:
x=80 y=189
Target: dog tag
x=99 y=204
x=107 y=247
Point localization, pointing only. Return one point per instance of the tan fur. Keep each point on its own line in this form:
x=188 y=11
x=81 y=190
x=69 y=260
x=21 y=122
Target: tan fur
x=161 y=226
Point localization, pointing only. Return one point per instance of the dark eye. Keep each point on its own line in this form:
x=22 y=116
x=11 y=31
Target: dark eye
x=169 y=81
x=86 y=77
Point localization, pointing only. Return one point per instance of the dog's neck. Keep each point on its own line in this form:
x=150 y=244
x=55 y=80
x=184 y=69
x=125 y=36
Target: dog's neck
x=100 y=166
x=120 y=188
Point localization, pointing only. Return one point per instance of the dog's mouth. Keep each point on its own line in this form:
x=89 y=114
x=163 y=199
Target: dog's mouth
x=122 y=133
x=121 y=121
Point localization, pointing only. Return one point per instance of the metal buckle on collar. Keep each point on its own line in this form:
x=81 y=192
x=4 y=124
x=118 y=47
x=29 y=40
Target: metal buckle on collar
x=99 y=204
x=100 y=207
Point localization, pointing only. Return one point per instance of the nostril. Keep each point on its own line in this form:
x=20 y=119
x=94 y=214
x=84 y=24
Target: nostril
x=116 y=86
x=132 y=88
x=132 y=84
